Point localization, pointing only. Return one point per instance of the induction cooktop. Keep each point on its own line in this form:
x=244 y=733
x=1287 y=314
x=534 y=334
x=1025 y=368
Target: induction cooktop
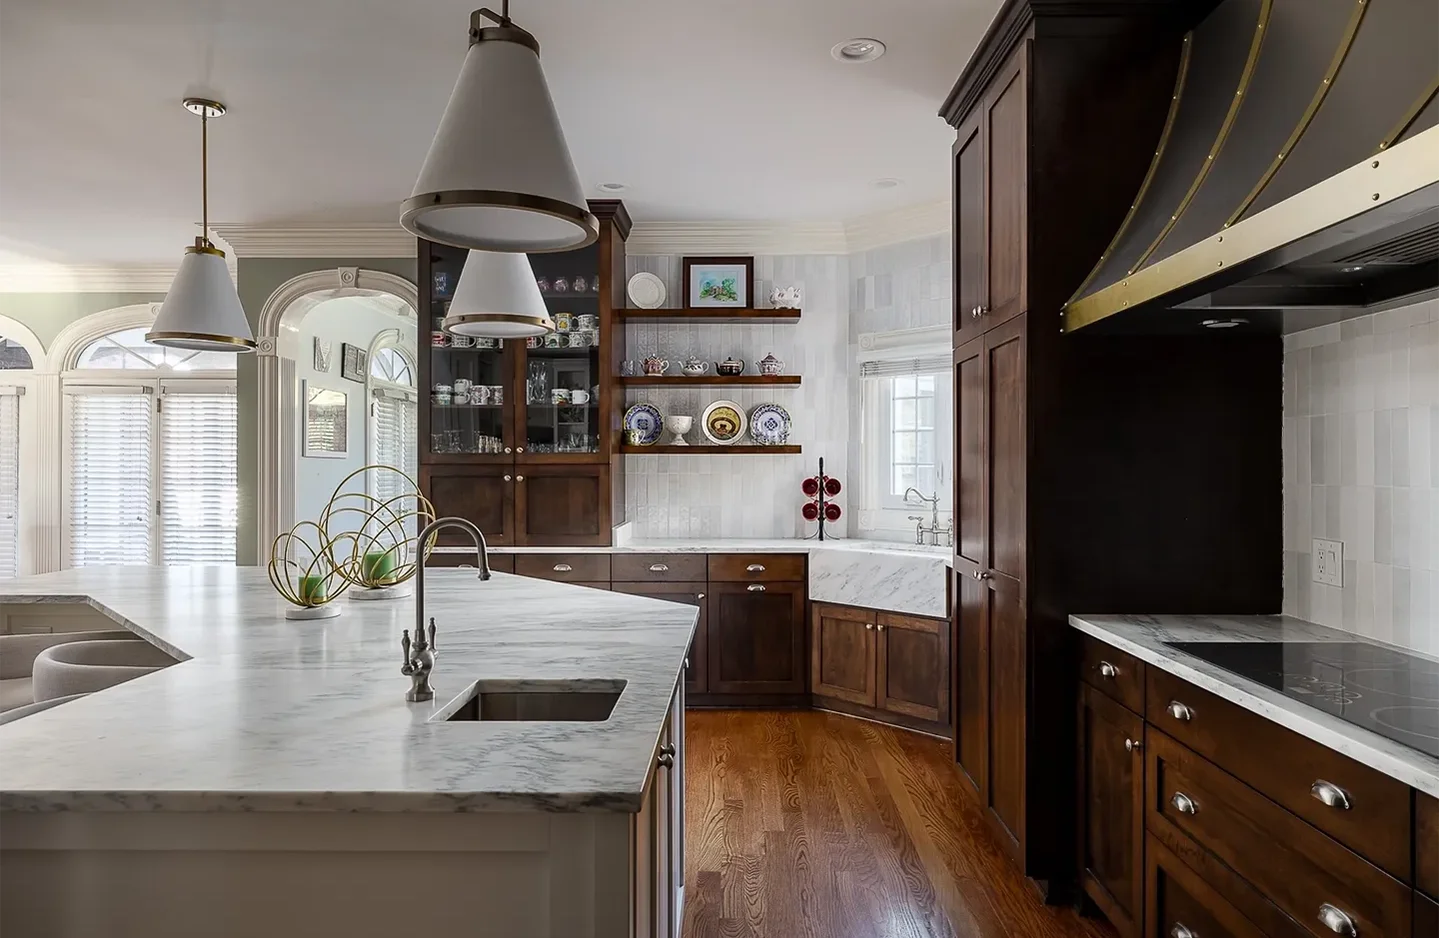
x=1383 y=690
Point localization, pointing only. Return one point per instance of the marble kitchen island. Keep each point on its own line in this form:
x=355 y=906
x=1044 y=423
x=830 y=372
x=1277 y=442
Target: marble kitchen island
x=275 y=780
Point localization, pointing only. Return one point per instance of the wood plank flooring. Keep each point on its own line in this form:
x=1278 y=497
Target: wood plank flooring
x=812 y=824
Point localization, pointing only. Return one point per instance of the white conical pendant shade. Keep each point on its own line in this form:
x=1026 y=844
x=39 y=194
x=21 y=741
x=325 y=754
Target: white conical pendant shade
x=498 y=176
x=202 y=310
x=497 y=297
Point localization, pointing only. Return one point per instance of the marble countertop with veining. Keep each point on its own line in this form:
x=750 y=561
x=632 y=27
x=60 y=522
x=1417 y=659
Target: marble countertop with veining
x=1145 y=638
x=270 y=714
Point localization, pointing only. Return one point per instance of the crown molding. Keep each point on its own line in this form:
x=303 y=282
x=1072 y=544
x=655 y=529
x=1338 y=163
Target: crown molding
x=882 y=229
x=81 y=278
x=367 y=240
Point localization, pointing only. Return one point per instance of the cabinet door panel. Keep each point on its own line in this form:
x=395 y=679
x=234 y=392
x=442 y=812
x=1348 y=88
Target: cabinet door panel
x=1112 y=808
x=842 y=653
x=692 y=594
x=484 y=495
x=968 y=199
x=971 y=676
x=1007 y=706
x=757 y=638
x=1006 y=117
x=912 y=664
x=971 y=528
x=563 y=504
x=1005 y=447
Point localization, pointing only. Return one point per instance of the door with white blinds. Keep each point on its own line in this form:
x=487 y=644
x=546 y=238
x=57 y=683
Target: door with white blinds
x=9 y=482
x=110 y=476
x=199 y=477
x=395 y=438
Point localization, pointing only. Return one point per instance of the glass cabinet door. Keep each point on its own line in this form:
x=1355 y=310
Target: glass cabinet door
x=469 y=377
x=562 y=370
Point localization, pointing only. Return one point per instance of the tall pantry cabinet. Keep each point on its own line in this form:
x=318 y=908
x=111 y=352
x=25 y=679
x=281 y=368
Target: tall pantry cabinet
x=1086 y=467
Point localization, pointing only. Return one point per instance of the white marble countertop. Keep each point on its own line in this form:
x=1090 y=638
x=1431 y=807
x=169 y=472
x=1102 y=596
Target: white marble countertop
x=270 y=714
x=1145 y=638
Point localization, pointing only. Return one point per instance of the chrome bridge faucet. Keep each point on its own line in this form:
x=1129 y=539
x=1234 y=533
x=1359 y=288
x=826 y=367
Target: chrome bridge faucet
x=420 y=658
x=934 y=530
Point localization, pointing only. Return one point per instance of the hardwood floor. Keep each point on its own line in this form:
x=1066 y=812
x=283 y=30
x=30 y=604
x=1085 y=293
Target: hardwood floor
x=811 y=824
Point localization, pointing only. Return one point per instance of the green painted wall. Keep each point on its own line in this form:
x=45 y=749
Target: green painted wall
x=256 y=279
x=47 y=313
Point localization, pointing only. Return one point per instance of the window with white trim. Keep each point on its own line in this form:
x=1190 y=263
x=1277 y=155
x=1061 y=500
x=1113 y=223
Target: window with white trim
x=394 y=426
x=151 y=471
x=905 y=442
x=10 y=481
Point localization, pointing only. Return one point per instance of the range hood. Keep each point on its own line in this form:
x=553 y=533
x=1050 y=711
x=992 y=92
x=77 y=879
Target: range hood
x=1295 y=180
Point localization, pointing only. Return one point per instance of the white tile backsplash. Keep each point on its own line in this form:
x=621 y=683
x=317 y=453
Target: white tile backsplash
x=1360 y=442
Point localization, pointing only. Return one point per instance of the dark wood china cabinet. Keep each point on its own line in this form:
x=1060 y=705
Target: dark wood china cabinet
x=521 y=436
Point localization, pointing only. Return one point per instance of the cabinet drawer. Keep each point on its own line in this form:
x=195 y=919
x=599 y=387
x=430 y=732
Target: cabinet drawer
x=1298 y=868
x=499 y=563
x=1179 y=901
x=656 y=568
x=1113 y=673
x=567 y=567
x=1427 y=854
x=742 y=568
x=1292 y=770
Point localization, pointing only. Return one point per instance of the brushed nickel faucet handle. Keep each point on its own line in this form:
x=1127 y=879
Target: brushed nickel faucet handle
x=404 y=650
x=432 y=633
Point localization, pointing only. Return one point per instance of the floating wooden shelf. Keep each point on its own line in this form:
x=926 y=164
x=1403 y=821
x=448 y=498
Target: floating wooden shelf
x=720 y=315
x=700 y=381
x=709 y=450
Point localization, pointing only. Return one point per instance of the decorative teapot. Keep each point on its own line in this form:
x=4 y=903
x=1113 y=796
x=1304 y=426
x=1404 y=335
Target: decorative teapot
x=694 y=367
x=770 y=365
x=655 y=365
x=788 y=298
x=730 y=366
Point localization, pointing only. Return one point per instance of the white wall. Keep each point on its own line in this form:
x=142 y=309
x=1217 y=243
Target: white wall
x=1360 y=437
x=357 y=321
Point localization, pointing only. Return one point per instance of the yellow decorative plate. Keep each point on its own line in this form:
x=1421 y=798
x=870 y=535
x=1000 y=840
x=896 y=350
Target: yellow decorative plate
x=723 y=422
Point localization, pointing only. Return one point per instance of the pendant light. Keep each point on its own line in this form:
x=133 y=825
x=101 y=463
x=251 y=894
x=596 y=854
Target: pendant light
x=497 y=297
x=499 y=176
x=202 y=311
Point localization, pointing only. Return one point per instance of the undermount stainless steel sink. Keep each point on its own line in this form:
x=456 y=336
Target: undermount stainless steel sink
x=579 y=701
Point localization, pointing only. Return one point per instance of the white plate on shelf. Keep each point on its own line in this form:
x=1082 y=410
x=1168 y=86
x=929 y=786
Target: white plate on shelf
x=646 y=291
x=770 y=425
x=723 y=422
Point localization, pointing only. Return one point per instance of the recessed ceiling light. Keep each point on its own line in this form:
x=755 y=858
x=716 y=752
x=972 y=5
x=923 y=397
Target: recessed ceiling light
x=612 y=187
x=858 y=50
x=1225 y=323
x=886 y=183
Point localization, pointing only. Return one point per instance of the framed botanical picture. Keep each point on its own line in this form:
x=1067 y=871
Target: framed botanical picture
x=719 y=282
x=323 y=351
x=352 y=362
x=326 y=429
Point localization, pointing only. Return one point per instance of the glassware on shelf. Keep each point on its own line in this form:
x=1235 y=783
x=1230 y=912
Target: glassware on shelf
x=538 y=384
x=628 y=368
x=543 y=284
x=561 y=285
x=581 y=285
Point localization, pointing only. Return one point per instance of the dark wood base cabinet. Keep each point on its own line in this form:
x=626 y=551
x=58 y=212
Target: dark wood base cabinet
x=756 y=638
x=696 y=662
x=881 y=665
x=1201 y=818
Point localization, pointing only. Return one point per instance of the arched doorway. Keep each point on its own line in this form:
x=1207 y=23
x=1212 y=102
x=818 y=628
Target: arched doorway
x=286 y=356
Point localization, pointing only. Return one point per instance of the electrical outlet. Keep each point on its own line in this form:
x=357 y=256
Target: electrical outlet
x=1329 y=559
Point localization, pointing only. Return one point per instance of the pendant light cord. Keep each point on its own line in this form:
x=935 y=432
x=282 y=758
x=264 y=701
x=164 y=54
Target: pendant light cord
x=205 y=177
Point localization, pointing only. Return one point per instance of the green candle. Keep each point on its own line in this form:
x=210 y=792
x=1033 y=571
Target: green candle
x=378 y=565
x=312 y=589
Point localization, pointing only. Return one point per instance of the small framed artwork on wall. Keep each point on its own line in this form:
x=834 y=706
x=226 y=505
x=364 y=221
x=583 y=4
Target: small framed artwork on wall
x=323 y=353
x=327 y=427
x=352 y=362
x=712 y=282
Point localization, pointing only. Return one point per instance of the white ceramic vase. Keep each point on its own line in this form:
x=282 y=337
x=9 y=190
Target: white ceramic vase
x=678 y=425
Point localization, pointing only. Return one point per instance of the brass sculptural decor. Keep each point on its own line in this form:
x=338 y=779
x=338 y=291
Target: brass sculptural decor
x=365 y=542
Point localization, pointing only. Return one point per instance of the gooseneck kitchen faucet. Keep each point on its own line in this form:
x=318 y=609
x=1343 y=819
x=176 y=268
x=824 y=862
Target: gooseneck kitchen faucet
x=420 y=658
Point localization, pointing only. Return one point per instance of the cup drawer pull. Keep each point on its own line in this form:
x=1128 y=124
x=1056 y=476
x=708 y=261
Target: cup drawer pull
x=562 y=568
x=755 y=568
x=1183 y=803
x=1179 y=711
x=1337 y=921
x=1178 y=930
x=1330 y=794
x=659 y=567
x=1108 y=670
x=756 y=587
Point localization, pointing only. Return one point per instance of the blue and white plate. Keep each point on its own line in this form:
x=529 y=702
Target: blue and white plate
x=646 y=419
x=769 y=425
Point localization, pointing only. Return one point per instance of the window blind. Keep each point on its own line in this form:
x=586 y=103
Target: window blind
x=396 y=434
x=111 y=515
x=9 y=486
x=933 y=364
x=198 y=478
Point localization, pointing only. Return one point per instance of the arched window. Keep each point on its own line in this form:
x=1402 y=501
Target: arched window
x=127 y=350
x=151 y=471
x=389 y=365
x=394 y=428
x=13 y=355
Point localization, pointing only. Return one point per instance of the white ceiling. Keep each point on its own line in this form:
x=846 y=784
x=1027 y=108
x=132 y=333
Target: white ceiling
x=707 y=111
